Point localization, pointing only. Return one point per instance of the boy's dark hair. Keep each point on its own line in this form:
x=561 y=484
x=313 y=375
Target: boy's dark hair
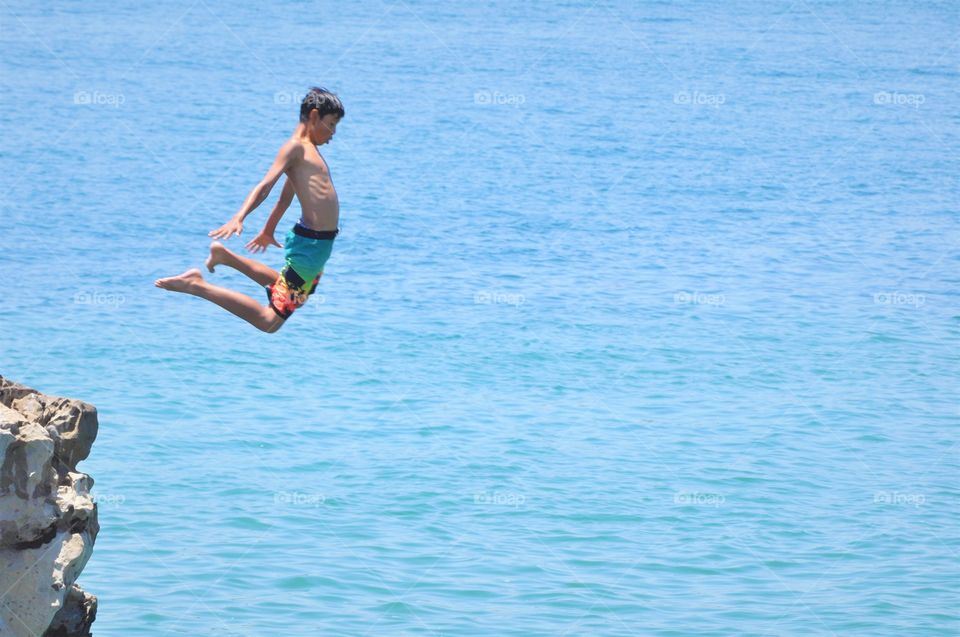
x=323 y=100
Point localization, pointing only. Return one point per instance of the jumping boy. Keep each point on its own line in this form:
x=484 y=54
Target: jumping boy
x=308 y=244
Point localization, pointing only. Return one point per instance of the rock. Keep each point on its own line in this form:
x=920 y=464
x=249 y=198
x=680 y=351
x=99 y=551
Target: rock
x=74 y=619
x=48 y=519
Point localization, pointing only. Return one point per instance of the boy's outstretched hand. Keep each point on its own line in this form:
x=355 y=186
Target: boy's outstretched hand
x=234 y=226
x=260 y=242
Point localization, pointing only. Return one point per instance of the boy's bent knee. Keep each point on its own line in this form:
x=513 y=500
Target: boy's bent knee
x=271 y=321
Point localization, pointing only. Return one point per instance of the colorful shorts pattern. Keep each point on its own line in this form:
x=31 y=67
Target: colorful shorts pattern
x=290 y=291
x=304 y=258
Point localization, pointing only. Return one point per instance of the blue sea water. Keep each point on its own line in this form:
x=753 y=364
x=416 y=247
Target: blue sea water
x=643 y=319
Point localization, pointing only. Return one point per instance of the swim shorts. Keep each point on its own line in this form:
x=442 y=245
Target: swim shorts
x=305 y=253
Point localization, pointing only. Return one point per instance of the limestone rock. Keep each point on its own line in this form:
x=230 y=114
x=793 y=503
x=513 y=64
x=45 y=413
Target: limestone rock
x=48 y=519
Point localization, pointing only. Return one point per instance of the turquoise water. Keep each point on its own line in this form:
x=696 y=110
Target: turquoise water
x=643 y=319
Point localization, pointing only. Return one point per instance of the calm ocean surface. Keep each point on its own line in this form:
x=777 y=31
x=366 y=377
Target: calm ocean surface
x=643 y=319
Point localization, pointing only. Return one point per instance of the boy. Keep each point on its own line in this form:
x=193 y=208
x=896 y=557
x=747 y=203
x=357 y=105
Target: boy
x=308 y=244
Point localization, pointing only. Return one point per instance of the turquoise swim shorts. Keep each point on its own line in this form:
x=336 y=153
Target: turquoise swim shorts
x=305 y=253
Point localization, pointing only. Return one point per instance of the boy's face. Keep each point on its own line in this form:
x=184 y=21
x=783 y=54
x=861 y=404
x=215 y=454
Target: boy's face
x=322 y=128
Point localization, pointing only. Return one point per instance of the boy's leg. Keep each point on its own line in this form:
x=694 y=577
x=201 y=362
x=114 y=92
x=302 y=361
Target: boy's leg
x=191 y=282
x=220 y=254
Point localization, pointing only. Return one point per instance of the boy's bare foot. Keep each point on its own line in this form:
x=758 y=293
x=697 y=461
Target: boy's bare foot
x=181 y=282
x=217 y=254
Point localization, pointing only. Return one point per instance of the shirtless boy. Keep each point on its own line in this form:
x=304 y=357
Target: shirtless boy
x=308 y=244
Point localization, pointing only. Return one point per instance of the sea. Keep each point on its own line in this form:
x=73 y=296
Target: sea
x=643 y=318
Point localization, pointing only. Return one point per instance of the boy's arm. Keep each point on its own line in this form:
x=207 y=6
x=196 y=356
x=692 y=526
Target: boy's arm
x=286 y=197
x=286 y=156
x=265 y=237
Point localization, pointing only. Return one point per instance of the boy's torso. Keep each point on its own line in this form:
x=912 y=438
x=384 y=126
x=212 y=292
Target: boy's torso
x=311 y=180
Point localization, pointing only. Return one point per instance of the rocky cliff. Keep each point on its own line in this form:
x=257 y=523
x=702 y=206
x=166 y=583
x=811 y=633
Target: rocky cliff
x=48 y=520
